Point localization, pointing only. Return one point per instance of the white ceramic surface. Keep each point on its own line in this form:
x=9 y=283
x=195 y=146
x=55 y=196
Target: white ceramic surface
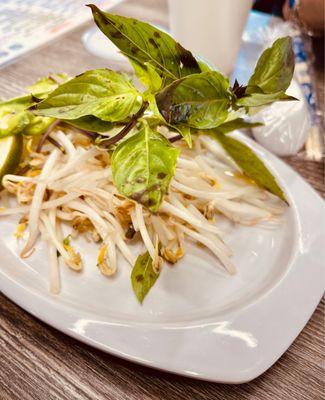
x=196 y=321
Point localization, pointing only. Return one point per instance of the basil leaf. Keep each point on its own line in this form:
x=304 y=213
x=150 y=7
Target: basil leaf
x=143 y=166
x=152 y=110
x=147 y=75
x=145 y=43
x=13 y=117
x=274 y=69
x=250 y=163
x=103 y=93
x=143 y=276
x=17 y=103
x=41 y=88
x=204 y=66
x=37 y=125
x=154 y=118
x=238 y=123
x=14 y=114
x=199 y=100
x=185 y=131
x=91 y=123
x=262 y=99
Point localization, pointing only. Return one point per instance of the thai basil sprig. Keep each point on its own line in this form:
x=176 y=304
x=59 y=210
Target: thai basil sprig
x=182 y=93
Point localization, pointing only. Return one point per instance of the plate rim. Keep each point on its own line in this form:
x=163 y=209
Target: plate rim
x=242 y=323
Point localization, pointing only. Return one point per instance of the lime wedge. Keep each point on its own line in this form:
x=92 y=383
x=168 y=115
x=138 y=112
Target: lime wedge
x=11 y=149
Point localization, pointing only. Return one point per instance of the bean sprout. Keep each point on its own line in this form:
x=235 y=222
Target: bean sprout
x=74 y=190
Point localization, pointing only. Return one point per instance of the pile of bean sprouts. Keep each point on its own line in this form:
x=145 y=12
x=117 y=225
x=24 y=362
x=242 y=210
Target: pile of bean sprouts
x=72 y=185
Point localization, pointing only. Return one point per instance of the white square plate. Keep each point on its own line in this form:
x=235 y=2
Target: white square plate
x=195 y=321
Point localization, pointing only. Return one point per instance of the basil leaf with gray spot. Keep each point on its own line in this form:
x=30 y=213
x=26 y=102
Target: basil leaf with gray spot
x=143 y=276
x=143 y=166
x=199 y=101
x=145 y=43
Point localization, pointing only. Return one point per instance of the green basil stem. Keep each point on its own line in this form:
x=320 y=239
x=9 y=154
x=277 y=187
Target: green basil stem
x=127 y=128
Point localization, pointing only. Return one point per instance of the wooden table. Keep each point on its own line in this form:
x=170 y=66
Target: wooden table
x=40 y=363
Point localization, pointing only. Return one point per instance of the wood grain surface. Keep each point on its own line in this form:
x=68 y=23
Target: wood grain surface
x=40 y=363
